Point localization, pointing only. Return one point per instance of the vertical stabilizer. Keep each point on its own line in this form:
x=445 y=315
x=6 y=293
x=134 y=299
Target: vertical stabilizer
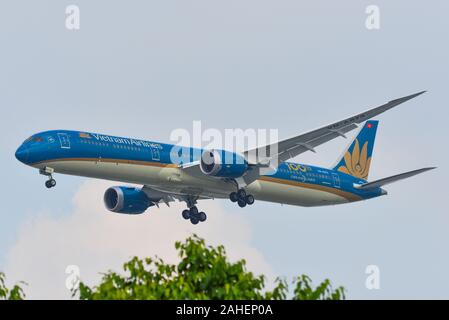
x=357 y=157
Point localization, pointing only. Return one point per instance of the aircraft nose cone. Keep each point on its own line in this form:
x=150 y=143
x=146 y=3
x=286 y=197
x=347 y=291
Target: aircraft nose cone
x=22 y=154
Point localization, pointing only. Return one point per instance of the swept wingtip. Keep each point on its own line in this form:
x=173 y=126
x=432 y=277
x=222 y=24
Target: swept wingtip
x=415 y=95
x=406 y=98
x=425 y=169
x=420 y=93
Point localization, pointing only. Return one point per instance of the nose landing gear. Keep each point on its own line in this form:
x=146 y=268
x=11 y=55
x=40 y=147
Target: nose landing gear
x=241 y=198
x=48 y=172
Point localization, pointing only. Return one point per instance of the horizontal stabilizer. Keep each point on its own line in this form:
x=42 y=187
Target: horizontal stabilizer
x=384 y=181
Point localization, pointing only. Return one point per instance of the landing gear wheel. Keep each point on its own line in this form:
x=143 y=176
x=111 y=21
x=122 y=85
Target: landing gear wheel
x=50 y=183
x=194 y=215
x=242 y=203
x=202 y=216
x=234 y=197
x=194 y=220
x=249 y=199
x=186 y=214
x=241 y=193
x=193 y=211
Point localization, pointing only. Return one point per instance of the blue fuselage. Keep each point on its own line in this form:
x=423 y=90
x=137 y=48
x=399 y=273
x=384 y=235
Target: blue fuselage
x=49 y=147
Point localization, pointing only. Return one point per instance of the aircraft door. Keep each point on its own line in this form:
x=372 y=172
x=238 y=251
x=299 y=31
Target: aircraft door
x=336 y=180
x=64 y=140
x=155 y=155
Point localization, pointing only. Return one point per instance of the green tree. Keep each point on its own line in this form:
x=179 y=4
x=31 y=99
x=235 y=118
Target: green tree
x=16 y=293
x=203 y=272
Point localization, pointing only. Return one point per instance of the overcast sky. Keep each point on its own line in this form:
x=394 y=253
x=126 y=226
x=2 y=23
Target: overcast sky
x=144 y=68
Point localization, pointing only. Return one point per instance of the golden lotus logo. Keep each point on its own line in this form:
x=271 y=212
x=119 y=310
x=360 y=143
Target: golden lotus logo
x=357 y=163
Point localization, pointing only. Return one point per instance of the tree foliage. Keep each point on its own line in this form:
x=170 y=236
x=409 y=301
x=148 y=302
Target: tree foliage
x=15 y=293
x=203 y=272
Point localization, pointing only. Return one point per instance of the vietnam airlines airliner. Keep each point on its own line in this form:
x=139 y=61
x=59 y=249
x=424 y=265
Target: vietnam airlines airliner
x=208 y=174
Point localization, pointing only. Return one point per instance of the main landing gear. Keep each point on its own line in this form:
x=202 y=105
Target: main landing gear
x=194 y=216
x=241 y=198
x=50 y=183
x=192 y=213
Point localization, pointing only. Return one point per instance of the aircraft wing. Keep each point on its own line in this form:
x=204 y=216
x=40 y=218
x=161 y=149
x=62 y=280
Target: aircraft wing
x=290 y=148
x=262 y=157
x=253 y=173
x=384 y=181
x=159 y=195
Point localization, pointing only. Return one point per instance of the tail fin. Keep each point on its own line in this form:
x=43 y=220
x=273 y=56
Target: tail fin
x=357 y=157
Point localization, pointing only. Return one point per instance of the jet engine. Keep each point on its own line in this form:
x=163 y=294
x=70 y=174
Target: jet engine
x=126 y=200
x=223 y=164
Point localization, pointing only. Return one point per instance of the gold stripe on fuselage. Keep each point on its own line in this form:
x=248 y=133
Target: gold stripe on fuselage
x=137 y=162
x=347 y=195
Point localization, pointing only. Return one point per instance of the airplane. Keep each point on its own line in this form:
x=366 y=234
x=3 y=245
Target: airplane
x=203 y=174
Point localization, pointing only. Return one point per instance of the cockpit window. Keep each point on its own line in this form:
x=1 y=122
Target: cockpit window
x=34 y=139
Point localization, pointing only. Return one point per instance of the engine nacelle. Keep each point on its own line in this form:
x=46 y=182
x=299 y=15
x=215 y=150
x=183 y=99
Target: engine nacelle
x=126 y=200
x=223 y=164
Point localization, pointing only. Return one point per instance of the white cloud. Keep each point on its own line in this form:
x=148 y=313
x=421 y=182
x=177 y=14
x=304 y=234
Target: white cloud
x=97 y=240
